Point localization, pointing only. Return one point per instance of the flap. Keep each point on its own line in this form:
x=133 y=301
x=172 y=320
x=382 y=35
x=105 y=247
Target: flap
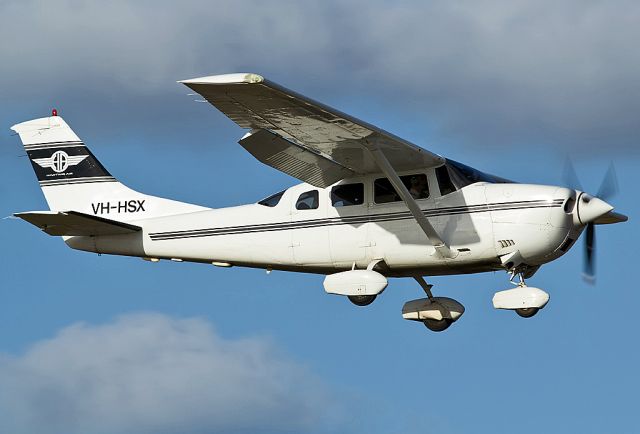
x=73 y=223
x=293 y=159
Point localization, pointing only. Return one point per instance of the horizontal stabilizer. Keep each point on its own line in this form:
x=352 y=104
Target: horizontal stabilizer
x=73 y=223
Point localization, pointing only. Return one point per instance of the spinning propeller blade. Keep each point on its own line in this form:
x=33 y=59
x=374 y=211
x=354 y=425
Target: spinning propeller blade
x=570 y=177
x=608 y=189
x=589 y=272
x=609 y=186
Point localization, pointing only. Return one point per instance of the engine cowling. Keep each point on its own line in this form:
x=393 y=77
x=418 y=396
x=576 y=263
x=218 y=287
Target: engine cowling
x=355 y=282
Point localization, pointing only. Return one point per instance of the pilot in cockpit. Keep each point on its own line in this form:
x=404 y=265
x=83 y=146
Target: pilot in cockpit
x=418 y=187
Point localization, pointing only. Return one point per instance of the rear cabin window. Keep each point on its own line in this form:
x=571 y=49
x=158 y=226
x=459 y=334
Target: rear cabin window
x=383 y=191
x=272 y=200
x=308 y=200
x=347 y=195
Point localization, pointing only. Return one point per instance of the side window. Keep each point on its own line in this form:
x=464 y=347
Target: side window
x=383 y=191
x=347 y=195
x=308 y=200
x=417 y=185
x=272 y=200
x=444 y=181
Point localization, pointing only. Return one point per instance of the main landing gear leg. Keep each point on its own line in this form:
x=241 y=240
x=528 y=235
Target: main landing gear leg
x=436 y=313
x=425 y=286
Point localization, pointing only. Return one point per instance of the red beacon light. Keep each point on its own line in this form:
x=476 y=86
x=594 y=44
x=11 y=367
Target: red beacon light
x=54 y=112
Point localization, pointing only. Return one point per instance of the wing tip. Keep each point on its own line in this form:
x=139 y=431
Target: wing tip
x=236 y=78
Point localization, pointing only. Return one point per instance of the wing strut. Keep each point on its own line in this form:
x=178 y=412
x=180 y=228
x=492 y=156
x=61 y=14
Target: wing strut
x=381 y=160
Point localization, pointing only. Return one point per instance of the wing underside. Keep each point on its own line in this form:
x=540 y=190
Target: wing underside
x=307 y=133
x=294 y=159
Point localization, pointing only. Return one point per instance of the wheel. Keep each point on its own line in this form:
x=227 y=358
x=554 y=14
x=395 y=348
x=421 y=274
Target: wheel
x=527 y=312
x=362 y=300
x=436 y=325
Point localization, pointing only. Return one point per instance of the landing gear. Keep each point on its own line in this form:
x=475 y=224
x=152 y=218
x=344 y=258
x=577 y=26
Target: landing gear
x=362 y=300
x=437 y=325
x=436 y=313
x=360 y=286
x=525 y=300
x=527 y=312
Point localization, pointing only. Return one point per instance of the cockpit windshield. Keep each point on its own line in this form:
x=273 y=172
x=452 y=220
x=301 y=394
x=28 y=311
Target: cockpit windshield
x=272 y=200
x=463 y=175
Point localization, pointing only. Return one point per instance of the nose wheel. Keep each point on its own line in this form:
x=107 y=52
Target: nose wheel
x=525 y=300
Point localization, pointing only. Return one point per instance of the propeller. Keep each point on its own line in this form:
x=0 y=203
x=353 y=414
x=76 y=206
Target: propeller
x=608 y=189
x=589 y=271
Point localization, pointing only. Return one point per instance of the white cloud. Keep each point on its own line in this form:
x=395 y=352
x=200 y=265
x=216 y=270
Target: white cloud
x=150 y=373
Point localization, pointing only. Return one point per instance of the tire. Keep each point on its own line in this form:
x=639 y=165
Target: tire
x=527 y=312
x=362 y=300
x=437 y=325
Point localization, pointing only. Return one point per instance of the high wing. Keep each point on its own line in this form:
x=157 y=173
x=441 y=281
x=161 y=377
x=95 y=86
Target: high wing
x=73 y=223
x=304 y=138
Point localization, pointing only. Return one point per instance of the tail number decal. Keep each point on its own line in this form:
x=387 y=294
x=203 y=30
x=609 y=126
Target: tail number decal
x=122 y=206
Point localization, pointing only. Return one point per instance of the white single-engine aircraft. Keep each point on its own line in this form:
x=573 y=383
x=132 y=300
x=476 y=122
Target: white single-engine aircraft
x=371 y=206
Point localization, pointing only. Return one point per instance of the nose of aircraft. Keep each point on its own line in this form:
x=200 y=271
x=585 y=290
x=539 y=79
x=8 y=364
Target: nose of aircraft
x=589 y=208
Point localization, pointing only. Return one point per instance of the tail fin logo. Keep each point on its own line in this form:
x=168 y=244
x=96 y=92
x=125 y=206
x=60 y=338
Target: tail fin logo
x=60 y=161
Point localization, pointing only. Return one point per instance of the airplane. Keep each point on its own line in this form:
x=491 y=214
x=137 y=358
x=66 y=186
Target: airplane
x=371 y=206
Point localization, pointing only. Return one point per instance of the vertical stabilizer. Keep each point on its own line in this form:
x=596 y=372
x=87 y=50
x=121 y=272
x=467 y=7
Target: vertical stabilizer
x=72 y=178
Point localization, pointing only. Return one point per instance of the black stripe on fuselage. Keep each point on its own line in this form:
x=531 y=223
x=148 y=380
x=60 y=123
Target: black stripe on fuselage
x=402 y=214
x=333 y=221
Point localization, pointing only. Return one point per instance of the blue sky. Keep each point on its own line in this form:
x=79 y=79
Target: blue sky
x=118 y=345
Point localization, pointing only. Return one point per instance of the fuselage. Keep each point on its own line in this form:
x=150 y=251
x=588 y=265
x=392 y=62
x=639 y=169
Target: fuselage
x=309 y=229
x=374 y=206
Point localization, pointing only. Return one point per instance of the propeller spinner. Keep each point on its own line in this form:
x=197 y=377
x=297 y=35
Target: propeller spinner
x=593 y=210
